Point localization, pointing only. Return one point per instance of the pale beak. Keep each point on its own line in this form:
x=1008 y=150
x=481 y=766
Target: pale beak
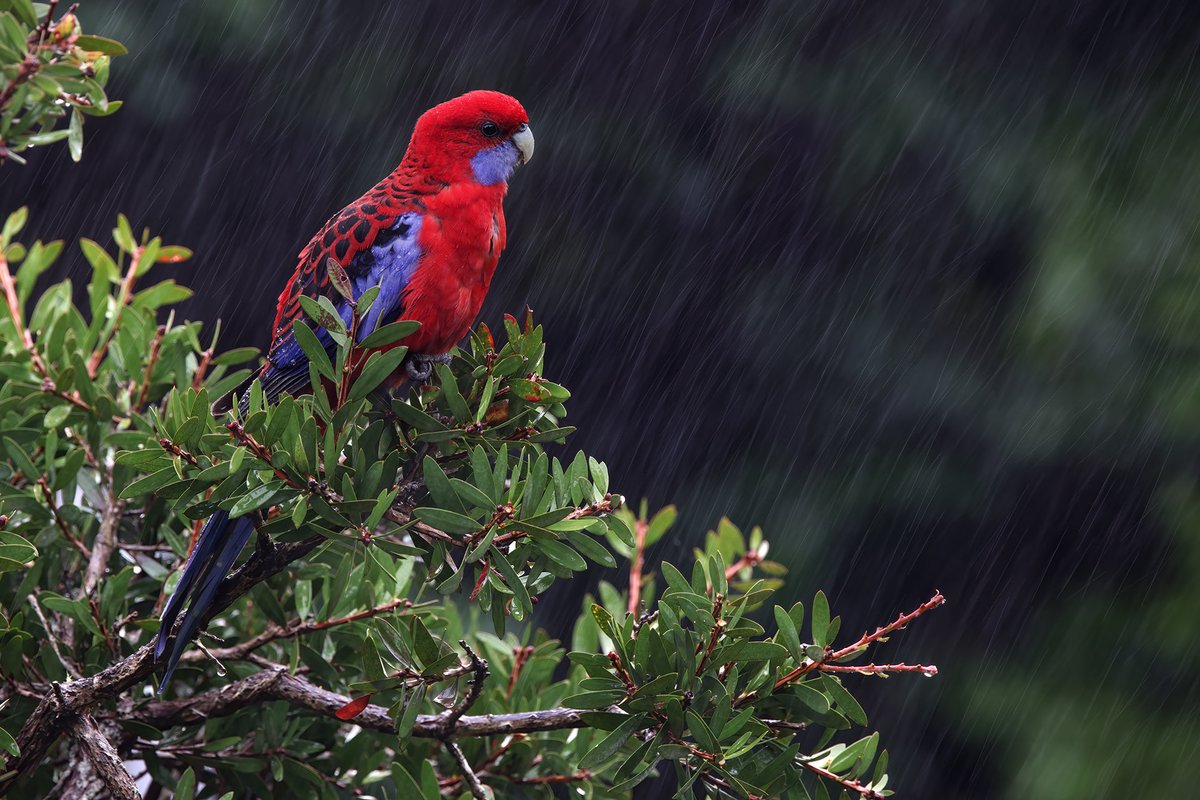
x=523 y=139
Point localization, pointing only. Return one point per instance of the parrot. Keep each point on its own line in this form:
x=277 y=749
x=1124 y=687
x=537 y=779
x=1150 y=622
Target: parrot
x=429 y=235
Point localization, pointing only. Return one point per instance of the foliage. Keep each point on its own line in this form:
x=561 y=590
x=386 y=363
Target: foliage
x=429 y=521
x=372 y=651
x=51 y=70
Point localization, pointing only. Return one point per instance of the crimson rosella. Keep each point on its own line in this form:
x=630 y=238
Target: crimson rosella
x=429 y=236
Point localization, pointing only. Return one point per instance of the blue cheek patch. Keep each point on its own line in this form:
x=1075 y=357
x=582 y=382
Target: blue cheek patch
x=495 y=164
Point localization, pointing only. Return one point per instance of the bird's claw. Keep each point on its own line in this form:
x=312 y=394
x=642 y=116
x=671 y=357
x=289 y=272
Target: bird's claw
x=419 y=366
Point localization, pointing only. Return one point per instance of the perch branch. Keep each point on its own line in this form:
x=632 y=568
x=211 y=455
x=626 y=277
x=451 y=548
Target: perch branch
x=294 y=628
x=59 y=706
x=104 y=758
x=464 y=766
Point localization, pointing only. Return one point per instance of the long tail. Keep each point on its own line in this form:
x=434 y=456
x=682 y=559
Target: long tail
x=217 y=548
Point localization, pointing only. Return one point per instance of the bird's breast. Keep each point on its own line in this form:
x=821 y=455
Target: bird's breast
x=461 y=239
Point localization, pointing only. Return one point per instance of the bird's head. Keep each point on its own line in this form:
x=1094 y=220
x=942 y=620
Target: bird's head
x=481 y=136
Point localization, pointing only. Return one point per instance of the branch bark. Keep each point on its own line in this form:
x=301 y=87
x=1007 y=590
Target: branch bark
x=277 y=684
x=59 y=706
x=104 y=758
x=105 y=543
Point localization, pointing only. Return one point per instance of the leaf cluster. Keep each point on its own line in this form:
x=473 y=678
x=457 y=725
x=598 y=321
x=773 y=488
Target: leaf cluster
x=50 y=70
x=440 y=518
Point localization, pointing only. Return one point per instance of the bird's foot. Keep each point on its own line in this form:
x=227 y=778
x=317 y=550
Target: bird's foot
x=419 y=366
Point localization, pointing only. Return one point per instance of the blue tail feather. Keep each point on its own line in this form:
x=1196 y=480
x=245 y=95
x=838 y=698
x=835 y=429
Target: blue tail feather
x=211 y=560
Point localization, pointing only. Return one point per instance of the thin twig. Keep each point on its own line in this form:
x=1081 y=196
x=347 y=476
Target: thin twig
x=863 y=642
x=880 y=669
x=67 y=665
x=294 y=628
x=105 y=541
x=865 y=792
x=477 y=790
x=14 y=307
x=48 y=496
x=144 y=390
x=479 y=674
x=123 y=298
x=635 y=566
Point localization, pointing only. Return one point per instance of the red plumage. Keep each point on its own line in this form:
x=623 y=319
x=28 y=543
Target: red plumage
x=462 y=232
x=429 y=236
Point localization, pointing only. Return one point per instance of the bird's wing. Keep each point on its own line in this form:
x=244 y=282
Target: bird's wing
x=376 y=246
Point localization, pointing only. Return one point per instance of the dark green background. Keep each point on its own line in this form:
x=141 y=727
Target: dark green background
x=913 y=285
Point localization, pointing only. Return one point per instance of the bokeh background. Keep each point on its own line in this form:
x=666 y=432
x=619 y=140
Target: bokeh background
x=912 y=285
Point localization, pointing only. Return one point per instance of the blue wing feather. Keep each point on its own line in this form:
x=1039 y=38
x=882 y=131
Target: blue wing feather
x=389 y=264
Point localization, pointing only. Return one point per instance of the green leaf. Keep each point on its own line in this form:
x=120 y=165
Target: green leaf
x=454 y=398
x=161 y=294
x=378 y=368
x=339 y=279
x=820 y=619
x=173 y=254
x=24 y=10
x=660 y=524
x=789 y=635
x=561 y=554
x=604 y=620
x=845 y=701
x=611 y=744
x=9 y=743
x=700 y=731
x=501 y=564
x=406 y=784
x=592 y=549
x=602 y=699
x=312 y=347
x=440 y=488
x=322 y=313
x=416 y=418
x=447 y=521
x=257 y=498
x=810 y=697
x=142 y=459
x=150 y=483
x=123 y=234
x=185 y=788
x=426 y=648
x=471 y=495
x=409 y=718
x=389 y=334
x=758 y=651
x=13 y=225
x=101 y=44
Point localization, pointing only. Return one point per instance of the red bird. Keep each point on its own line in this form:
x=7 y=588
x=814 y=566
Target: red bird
x=429 y=236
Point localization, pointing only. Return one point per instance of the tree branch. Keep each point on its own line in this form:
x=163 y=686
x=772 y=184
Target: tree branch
x=294 y=628
x=277 y=684
x=479 y=674
x=105 y=542
x=464 y=766
x=58 y=707
x=863 y=642
x=104 y=758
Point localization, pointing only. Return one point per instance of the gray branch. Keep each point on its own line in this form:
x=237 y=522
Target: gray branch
x=58 y=707
x=103 y=757
x=102 y=548
x=277 y=684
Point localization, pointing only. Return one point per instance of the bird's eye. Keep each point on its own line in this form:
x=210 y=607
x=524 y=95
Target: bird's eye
x=490 y=129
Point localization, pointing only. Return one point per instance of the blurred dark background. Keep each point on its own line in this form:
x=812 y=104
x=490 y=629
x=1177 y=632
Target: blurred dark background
x=913 y=285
